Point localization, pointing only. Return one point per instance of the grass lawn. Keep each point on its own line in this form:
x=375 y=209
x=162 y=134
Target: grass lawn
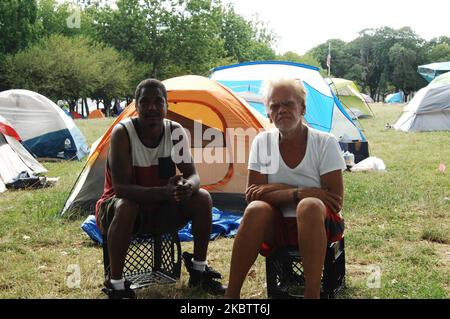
x=398 y=222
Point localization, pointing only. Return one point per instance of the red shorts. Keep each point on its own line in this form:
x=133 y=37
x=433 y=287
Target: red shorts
x=285 y=231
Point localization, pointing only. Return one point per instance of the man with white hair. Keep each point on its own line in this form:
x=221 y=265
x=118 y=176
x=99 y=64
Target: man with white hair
x=298 y=201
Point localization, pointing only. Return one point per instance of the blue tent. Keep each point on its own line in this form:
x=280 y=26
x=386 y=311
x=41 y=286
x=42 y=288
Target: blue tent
x=430 y=71
x=394 y=97
x=323 y=110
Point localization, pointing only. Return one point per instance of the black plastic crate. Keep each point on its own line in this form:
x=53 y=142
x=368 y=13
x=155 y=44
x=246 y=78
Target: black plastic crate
x=150 y=260
x=285 y=278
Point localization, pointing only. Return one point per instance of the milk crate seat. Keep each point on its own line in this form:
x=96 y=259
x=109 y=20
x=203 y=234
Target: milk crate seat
x=285 y=278
x=150 y=260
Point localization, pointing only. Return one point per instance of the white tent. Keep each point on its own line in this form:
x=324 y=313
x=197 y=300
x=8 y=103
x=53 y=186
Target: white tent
x=429 y=110
x=44 y=127
x=14 y=158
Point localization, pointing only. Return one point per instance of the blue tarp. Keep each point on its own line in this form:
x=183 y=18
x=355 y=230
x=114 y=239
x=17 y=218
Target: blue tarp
x=224 y=224
x=90 y=227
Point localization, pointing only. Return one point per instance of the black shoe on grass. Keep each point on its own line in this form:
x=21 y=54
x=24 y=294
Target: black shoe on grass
x=203 y=279
x=112 y=293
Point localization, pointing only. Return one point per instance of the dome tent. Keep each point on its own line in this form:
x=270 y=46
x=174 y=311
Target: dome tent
x=429 y=110
x=350 y=96
x=44 y=127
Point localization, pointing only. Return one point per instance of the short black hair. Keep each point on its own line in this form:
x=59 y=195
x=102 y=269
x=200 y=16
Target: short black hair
x=150 y=83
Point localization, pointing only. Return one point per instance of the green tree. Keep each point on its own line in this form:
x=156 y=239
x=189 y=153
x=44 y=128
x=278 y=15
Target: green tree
x=340 y=59
x=117 y=75
x=65 y=18
x=365 y=69
x=305 y=59
x=141 y=28
x=439 y=53
x=17 y=29
x=57 y=67
x=370 y=57
x=438 y=40
x=63 y=68
x=244 y=40
x=195 y=32
x=404 y=75
x=17 y=24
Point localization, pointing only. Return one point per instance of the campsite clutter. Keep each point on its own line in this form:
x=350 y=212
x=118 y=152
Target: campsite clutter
x=45 y=129
x=15 y=161
x=370 y=164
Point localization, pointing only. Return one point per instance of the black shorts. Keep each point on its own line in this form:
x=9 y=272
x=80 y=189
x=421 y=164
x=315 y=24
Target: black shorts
x=164 y=219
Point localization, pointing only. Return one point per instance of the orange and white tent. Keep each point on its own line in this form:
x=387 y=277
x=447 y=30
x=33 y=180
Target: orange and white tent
x=221 y=127
x=96 y=114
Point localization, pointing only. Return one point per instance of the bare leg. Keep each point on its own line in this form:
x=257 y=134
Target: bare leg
x=119 y=235
x=255 y=227
x=312 y=241
x=199 y=210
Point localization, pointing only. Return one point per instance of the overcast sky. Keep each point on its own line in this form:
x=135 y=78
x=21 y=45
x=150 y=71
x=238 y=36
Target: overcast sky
x=301 y=25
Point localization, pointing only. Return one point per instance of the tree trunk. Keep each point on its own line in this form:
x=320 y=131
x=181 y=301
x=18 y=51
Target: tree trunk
x=115 y=109
x=72 y=105
x=107 y=103
x=87 y=106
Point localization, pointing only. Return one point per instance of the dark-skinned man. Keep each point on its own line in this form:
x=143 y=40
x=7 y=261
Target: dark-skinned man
x=142 y=194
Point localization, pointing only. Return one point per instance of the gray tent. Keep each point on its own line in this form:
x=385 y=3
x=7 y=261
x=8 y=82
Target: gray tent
x=429 y=110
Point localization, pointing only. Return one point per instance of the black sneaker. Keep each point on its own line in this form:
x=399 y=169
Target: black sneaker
x=112 y=293
x=203 y=279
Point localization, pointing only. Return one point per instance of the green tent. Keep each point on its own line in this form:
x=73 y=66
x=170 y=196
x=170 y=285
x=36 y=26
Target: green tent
x=350 y=96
